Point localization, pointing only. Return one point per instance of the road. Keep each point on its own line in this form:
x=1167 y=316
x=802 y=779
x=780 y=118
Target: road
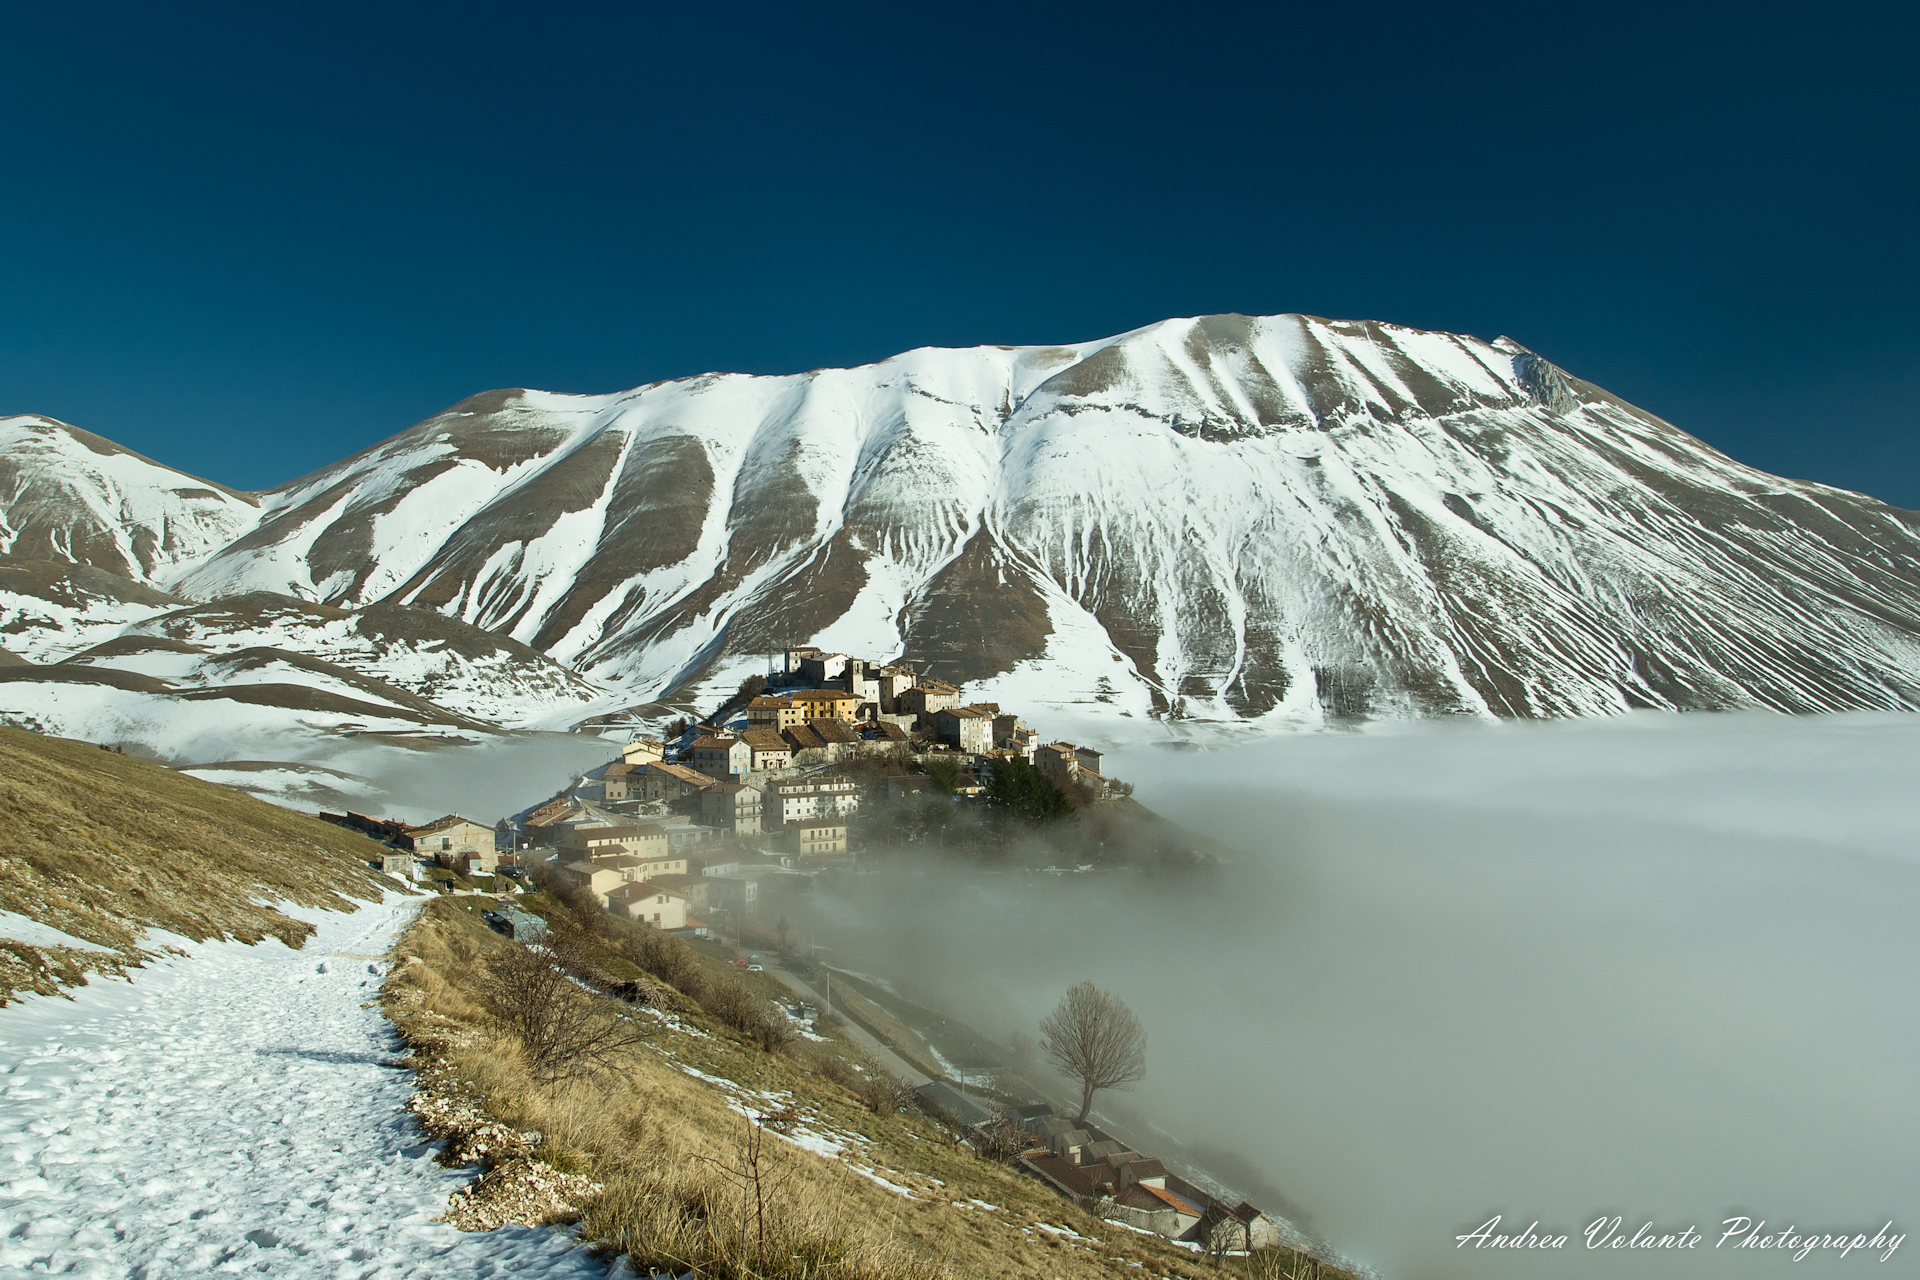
x=860 y=1035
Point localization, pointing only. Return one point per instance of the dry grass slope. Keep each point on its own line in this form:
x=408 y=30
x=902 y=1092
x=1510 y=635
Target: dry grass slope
x=101 y=846
x=658 y=1156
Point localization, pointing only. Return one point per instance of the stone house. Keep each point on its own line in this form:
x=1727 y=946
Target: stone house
x=602 y=875
x=822 y=668
x=724 y=758
x=886 y=734
x=643 y=751
x=802 y=739
x=968 y=728
x=691 y=887
x=396 y=862
x=776 y=713
x=1057 y=761
x=1164 y=1212
x=733 y=806
x=817 y=837
x=596 y=876
x=738 y=894
x=616 y=784
x=827 y=704
x=836 y=733
x=926 y=698
x=862 y=681
x=796 y=799
x=1250 y=1228
x=674 y=862
x=644 y=840
x=454 y=838
x=1066 y=763
x=652 y=903
x=893 y=681
x=660 y=781
x=766 y=750
x=545 y=825
x=684 y=834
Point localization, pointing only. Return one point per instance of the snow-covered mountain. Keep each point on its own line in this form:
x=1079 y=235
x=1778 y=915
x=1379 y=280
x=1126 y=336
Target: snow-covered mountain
x=1273 y=520
x=69 y=495
x=105 y=658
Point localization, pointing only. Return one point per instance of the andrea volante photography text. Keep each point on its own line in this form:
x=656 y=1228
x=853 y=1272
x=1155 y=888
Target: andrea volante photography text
x=1739 y=1232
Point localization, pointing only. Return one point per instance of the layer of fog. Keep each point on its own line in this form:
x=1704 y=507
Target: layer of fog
x=1658 y=967
x=485 y=780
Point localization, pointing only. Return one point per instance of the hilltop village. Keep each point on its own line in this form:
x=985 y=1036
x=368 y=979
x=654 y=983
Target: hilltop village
x=716 y=831
x=826 y=759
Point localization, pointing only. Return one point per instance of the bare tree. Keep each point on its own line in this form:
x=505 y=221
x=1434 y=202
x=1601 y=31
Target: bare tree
x=1095 y=1039
x=762 y=1174
x=564 y=1030
x=1223 y=1232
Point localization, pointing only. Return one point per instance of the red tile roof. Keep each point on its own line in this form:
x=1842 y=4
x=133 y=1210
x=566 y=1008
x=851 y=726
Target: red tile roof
x=1142 y=1196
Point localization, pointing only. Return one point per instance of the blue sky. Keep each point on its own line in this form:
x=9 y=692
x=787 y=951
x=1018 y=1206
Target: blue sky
x=249 y=240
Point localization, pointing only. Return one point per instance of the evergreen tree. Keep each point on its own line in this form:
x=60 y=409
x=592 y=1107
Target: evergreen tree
x=1022 y=791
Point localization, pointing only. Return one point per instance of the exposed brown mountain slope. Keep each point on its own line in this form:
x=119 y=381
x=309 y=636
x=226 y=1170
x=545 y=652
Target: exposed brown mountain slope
x=103 y=846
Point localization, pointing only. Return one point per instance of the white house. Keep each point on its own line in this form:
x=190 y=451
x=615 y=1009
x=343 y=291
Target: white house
x=650 y=903
x=455 y=839
x=791 y=799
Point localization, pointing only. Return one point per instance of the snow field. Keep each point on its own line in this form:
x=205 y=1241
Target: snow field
x=229 y=1112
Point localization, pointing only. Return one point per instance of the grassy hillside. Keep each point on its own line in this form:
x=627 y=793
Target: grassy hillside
x=655 y=1156
x=102 y=846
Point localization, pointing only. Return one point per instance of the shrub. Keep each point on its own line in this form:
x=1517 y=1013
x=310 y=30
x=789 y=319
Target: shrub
x=579 y=902
x=734 y=1004
x=668 y=959
x=528 y=994
x=878 y=1089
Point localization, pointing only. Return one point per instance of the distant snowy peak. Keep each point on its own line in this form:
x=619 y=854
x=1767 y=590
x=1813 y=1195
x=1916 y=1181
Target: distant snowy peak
x=103 y=658
x=69 y=495
x=1277 y=520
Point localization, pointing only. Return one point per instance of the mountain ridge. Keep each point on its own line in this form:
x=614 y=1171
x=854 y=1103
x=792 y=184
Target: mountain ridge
x=1281 y=521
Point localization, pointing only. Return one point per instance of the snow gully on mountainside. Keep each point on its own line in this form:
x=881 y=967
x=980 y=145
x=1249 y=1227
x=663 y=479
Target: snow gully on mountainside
x=233 y=1111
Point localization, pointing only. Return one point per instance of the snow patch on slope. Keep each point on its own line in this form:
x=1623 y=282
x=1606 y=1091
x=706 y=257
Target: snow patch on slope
x=234 y=1111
